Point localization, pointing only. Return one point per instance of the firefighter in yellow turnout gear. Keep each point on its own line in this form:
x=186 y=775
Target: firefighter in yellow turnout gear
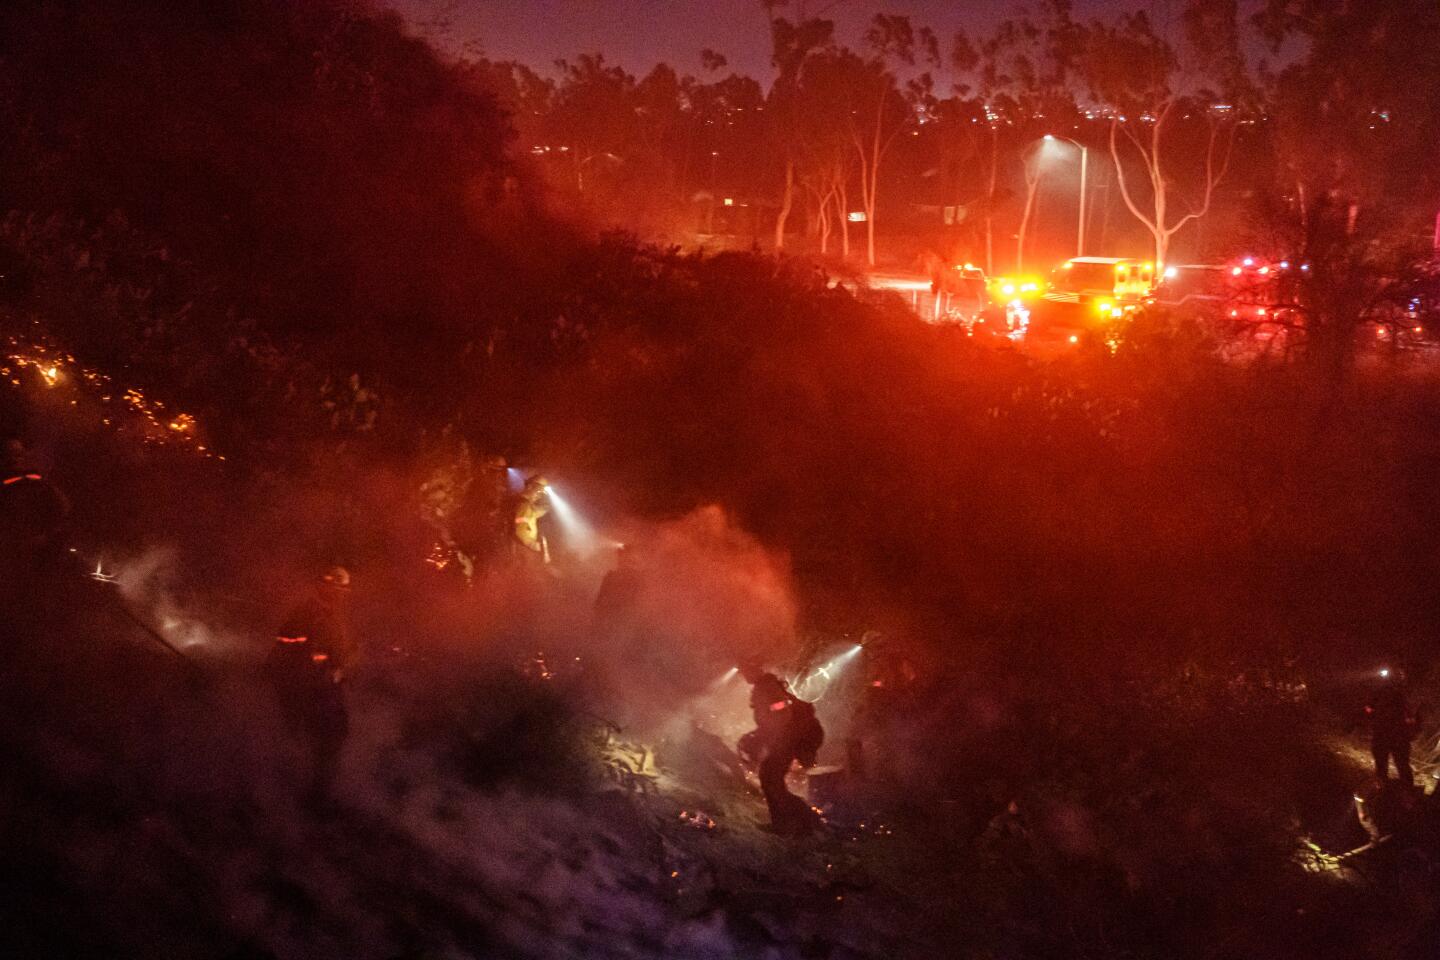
x=533 y=504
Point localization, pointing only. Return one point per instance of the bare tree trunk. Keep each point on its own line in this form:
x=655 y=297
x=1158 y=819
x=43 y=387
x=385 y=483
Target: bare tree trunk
x=872 y=189
x=871 y=147
x=824 y=220
x=1103 y=245
x=1162 y=236
x=786 y=202
x=1159 y=225
x=1031 y=186
x=842 y=211
x=990 y=204
x=870 y=179
x=866 y=203
x=870 y=231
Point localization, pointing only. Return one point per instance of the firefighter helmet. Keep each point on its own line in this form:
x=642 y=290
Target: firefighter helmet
x=752 y=668
x=337 y=577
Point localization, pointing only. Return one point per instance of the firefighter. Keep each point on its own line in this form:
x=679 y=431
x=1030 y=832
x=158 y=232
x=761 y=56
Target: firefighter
x=936 y=268
x=486 y=505
x=786 y=731
x=308 y=667
x=618 y=600
x=532 y=505
x=32 y=519
x=888 y=681
x=1392 y=725
x=32 y=509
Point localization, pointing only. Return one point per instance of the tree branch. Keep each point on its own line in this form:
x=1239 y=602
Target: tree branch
x=1120 y=175
x=1212 y=178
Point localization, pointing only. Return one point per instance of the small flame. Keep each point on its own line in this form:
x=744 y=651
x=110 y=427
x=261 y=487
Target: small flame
x=54 y=367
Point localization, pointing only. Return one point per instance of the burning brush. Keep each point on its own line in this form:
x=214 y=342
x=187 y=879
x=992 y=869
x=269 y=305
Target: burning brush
x=697 y=819
x=54 y=367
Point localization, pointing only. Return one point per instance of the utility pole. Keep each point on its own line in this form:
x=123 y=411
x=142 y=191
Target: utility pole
x=714 y=156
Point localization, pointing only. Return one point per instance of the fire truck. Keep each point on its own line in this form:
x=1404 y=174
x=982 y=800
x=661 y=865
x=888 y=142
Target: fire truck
x=1086 y=293
x=1248 y=303
x=1108 y=286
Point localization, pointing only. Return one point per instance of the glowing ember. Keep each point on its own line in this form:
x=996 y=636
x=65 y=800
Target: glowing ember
x=440 y=556
x=55 y=367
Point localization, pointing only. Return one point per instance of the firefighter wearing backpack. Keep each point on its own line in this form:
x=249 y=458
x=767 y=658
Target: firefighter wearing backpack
x=307 y=667
x=1392 y=726
x=786 y=731
x=32 y=509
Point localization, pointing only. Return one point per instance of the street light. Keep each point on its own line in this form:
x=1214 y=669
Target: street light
x=1084 y=169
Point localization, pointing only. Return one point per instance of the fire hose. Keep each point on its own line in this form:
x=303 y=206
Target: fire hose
x=100 y=577
x=149 y=631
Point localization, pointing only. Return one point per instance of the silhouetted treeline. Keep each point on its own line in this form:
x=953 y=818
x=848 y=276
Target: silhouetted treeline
x=241 y=182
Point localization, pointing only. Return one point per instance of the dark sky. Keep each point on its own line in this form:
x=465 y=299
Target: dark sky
x=639 y=33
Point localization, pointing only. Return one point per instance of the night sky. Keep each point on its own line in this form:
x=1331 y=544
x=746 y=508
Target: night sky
x=639 y=33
